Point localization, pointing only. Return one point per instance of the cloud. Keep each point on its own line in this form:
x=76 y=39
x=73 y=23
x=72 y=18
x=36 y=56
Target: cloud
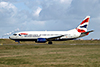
x=62 y=1
x=66 y=1
x=39 y=22
x=7 y=11
x=47 y=14
x=7 y=17
x=54 y=9
x=49 y=9
x=37 y=12
x=83 y=7
x=8 y=34
x=7 y=7
x=12 y=1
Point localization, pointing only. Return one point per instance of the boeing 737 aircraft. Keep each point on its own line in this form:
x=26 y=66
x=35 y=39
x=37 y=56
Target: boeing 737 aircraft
x=44 y=36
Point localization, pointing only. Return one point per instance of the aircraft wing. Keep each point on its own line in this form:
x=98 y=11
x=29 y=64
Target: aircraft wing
x=55 y=37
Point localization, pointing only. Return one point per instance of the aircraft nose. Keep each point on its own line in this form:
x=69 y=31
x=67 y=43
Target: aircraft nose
x=10 y=37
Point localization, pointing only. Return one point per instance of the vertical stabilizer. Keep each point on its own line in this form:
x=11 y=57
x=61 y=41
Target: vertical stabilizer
x=84 y=25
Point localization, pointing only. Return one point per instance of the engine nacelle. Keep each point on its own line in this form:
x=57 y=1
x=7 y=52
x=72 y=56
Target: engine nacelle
x=41 y=40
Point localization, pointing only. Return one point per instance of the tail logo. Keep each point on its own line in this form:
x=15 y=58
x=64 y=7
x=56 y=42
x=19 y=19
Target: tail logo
x=85 y=26
x=84 y=21
x=80 y=30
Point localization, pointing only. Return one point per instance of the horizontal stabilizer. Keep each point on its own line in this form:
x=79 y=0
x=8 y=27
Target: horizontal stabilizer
x=86 y=33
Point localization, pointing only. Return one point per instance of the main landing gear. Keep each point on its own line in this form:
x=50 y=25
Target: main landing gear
x=50 y=42
x=18 y=42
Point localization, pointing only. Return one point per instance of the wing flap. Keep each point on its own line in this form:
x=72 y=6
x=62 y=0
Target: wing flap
x=55 y=37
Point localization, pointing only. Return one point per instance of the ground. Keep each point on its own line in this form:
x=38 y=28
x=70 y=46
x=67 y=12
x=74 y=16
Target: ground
x=67 y=54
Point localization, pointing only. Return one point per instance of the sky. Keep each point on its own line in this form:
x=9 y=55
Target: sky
x=50 y=15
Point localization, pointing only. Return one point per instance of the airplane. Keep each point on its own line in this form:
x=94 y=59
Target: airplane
x=44 y=36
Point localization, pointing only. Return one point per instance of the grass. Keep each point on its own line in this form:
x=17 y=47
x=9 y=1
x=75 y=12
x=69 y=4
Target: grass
x=50 y=55
x=77 y=54
x=10 y=42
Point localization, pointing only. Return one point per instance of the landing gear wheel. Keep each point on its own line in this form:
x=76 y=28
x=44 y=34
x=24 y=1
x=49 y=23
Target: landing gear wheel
x=49 y=42
x=18 y=42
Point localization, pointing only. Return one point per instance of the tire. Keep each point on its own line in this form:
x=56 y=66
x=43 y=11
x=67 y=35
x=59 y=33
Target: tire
x=50 y=42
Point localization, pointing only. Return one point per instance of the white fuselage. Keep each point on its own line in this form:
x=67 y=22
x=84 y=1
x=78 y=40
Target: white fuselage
x=46 y=34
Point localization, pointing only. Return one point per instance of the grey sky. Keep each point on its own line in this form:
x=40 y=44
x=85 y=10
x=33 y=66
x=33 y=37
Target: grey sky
x=37 y=15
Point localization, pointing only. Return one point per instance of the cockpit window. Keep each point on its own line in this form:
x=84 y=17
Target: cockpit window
x=19 y=34
x=14 y=34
